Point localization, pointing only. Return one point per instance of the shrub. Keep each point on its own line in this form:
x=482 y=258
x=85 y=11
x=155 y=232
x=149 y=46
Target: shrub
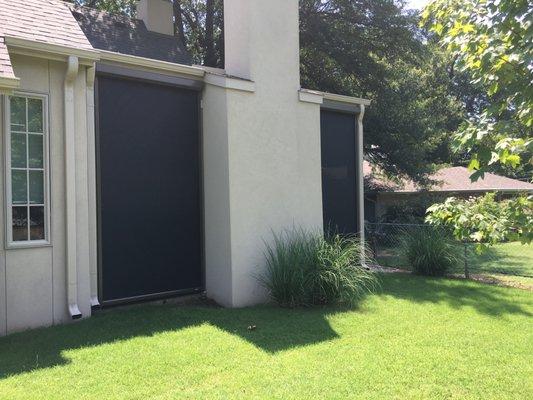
x=304 y=268
x=430 y=251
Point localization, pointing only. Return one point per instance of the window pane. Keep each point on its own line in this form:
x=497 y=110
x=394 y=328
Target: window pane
x=18 y=114
x=36 y=187
x=37 y=223
x=19 y=187
x=35 y=115
x=18 y=150
x=20 y=224
x=35 y=143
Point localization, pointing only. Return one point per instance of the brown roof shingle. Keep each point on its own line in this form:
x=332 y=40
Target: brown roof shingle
x=6 y=70
x=453 y=179
x=45 y=21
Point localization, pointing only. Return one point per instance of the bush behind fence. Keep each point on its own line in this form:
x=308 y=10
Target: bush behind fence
x=385 y=241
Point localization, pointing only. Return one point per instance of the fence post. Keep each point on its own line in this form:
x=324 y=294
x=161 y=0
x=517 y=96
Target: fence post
x=467 y=272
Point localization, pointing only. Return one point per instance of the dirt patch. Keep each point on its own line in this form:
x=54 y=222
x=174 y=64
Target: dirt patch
x=505 y=280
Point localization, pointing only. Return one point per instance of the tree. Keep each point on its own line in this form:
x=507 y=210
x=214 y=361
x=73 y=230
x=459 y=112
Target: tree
x=492 y=42
x=374 y=49
x=484 y=220
x=200 y=26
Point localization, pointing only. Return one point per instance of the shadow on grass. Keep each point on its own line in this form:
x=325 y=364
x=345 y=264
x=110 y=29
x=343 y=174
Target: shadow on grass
x=457 y=293
x=276 y=330
x=508 y=261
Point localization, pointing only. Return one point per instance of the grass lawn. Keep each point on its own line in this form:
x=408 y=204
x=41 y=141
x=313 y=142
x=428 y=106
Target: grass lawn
x=417 y=338
x=507 y=258
x=508 y=262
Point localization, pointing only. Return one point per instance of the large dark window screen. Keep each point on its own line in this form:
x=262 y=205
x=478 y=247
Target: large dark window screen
x=149 y=193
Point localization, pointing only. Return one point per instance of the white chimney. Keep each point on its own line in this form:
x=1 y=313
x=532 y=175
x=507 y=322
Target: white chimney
x=262 y=41
x=158 y=15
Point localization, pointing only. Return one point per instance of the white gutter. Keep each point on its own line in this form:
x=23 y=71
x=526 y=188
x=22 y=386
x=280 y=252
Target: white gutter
x=360 y=175
x=317 y=97
x=91 y=186
x=70 y=184
x=151 y=64
x=346 y=99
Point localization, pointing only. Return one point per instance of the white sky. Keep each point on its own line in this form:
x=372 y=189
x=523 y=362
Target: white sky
x=417 y=4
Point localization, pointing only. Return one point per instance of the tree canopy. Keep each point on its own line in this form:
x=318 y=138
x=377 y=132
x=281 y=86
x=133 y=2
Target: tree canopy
x=485 y=221
x=374 y=49
x=492 y=42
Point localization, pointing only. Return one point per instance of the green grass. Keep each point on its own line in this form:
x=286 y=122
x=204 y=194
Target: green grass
x=507 y=258
x=417 y=338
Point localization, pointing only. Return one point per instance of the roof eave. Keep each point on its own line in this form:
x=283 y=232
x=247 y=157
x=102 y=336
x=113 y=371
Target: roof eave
x=8 y=84
x=318 y=97
x=346 y=99
x=151 y=63
x=36 y=48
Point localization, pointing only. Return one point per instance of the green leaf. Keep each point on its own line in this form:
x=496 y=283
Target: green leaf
x=473 y=165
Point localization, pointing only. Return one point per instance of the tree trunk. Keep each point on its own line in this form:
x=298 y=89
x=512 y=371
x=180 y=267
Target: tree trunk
x=210 y=54
x=179 y=28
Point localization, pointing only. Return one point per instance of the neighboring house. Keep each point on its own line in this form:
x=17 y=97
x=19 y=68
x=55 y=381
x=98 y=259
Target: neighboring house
x=382 y=192
x=130 y=174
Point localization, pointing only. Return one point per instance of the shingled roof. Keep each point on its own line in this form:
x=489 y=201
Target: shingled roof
x=121 y=34
x=453 y=179
x=6 y=70
x=44 y=21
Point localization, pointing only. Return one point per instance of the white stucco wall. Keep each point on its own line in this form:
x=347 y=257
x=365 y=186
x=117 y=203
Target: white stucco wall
x=217 y=218
x=33 y=280
x=273 y=149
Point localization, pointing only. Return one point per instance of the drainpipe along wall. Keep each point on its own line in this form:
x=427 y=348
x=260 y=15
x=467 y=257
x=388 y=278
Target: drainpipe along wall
x=70 y=184
x=91 y=183
x=360 y=181
x=360 y=174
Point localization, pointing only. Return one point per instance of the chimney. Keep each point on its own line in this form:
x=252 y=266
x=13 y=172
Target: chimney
x=262 y=41
x=158 y=15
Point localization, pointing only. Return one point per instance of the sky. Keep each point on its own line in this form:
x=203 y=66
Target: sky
x=418 y=4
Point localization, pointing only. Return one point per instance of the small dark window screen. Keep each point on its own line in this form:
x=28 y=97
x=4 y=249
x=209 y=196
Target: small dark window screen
x=338 y=136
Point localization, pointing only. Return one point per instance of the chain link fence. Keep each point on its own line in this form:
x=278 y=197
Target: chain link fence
x=510 y=259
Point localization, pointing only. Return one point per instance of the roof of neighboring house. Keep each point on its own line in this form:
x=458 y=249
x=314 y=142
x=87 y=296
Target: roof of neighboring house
x=44 y=21
x=6 y=70
x=121 y=34
x=452 y=179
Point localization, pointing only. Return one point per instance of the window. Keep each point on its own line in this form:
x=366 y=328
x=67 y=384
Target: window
x=27 y=175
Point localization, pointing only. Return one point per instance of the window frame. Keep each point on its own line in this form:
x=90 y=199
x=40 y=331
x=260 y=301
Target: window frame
x=8 y=208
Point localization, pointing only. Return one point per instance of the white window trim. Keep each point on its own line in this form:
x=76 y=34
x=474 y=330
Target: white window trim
x=9 y=243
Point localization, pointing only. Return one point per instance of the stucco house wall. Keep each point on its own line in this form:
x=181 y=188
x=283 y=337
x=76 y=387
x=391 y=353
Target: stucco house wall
x=267 y=150
x=32 y=279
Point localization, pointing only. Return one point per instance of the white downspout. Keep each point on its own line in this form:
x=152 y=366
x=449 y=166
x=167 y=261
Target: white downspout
x=360 y=177
x=70 y=185
x=91 y=181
